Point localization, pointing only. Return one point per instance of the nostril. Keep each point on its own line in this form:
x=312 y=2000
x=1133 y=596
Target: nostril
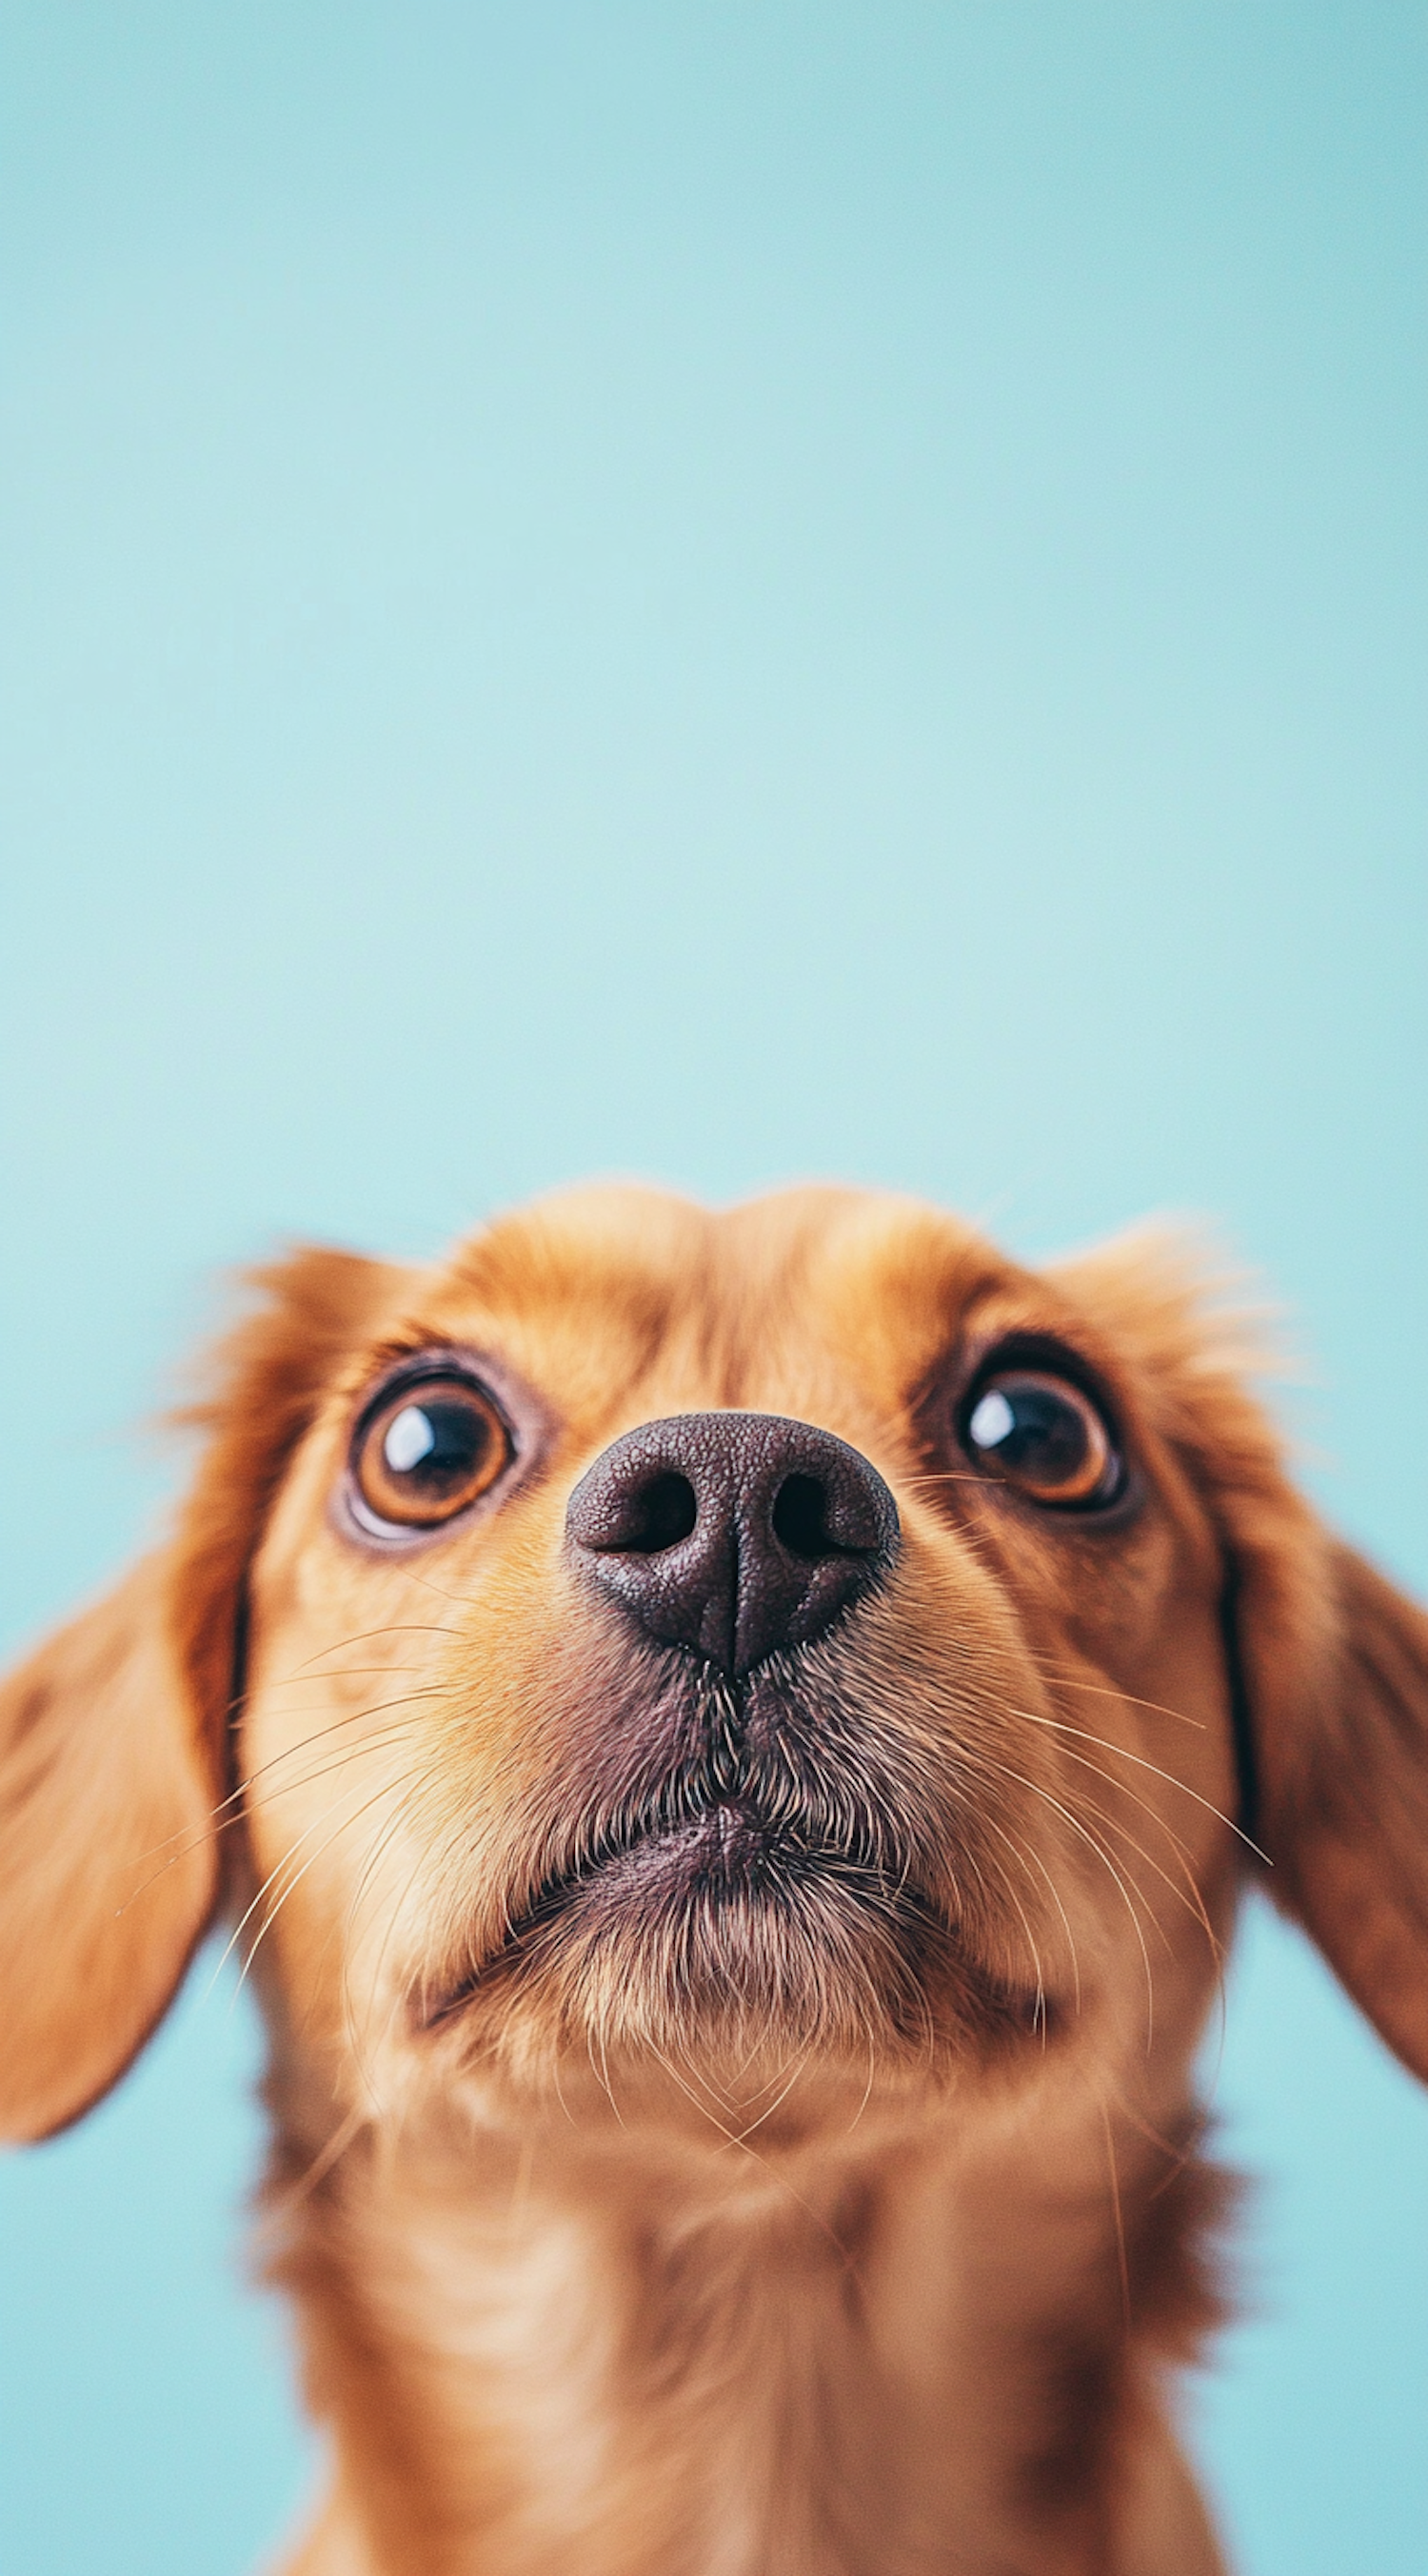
x=733 y=1534
x=660 y=1514
x=800 y=1519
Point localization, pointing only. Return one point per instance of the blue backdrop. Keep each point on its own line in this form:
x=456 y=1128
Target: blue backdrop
x=727 y=592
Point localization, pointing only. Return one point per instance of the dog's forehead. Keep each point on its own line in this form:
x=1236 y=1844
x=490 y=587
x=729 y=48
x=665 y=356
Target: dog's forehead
x=648 y=1257
x=611 y=1285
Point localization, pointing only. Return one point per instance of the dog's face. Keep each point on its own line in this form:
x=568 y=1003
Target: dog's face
x=709 y=1642
x=683 y=1653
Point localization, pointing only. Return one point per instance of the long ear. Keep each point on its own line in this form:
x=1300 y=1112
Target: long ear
x=109 y=1862
x=114 y=1734
x=1333 y=1660
x=1345 y=1802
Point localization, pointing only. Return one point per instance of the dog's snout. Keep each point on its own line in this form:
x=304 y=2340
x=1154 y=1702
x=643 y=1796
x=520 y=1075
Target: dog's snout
x=732 y=1533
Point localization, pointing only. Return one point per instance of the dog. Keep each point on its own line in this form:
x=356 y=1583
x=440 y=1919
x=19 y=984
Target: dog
x=729 y=1746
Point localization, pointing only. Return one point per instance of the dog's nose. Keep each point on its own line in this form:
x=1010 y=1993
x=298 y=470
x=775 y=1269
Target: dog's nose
x=732 y=1533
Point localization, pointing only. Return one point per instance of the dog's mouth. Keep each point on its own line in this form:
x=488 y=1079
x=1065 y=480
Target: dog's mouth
x=731 y=1866
x=702 y=1845
x=717 y=1849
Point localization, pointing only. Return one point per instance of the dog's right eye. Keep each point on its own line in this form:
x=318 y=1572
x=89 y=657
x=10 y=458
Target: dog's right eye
x=427 y=1452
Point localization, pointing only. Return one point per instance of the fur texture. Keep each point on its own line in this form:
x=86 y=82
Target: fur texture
x=651 y=2209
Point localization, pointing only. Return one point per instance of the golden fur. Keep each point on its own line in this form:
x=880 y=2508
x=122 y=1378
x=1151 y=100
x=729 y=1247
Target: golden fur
x=849 y=2238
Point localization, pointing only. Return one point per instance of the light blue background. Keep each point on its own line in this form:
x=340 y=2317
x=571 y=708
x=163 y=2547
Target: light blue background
x=726 y=592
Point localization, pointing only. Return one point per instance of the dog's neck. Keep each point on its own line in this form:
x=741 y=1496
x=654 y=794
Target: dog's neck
x=565 y=2361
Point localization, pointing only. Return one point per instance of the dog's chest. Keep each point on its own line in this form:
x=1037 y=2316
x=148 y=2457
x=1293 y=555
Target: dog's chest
x=627 y=2397
x=635 y=2391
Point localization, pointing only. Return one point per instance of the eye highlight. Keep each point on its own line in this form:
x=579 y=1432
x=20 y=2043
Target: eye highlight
x=427 y=1452
x=1043 y=1436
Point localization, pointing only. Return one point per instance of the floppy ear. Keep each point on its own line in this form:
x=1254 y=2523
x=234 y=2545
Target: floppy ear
x=1344 y=1795
x=114 y=1734
x=1332 y=1660
x=109 y=1863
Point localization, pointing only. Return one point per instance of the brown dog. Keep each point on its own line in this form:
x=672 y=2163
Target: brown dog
x=731 y=1743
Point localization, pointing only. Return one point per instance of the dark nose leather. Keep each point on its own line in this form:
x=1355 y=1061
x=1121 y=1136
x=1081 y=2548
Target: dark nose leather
x=732 y=1533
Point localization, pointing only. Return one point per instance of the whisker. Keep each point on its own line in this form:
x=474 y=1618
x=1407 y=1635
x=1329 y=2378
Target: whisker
x=274 y=1794
x=1078 y=1827
x=274 y=1873
x=1124 y=1790
x=1119 y=2217
x=1034 y=1858
x=361 y=1637
x=275 y=2213
x=786 y=2085
x=412 y=1791
x=734 y=2139
x=1108 y=1690
x=298 y=1876
x=404 y=1812
x=1124 y=1753
x=397 y=1724
x=1031 y=1941
x=458 y=1600
x=1194 y=1903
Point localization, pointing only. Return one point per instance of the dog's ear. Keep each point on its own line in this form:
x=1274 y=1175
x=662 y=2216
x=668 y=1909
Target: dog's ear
x=109 y=1861
x=1345 y=1802
x=1332 y=1660
x=114 y=1734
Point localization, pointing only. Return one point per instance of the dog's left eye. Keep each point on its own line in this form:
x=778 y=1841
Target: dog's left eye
x=1042 y=1435
x=427 y=1452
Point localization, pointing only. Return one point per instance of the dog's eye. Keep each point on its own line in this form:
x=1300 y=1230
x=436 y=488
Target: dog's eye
x=1045 y=1437
x=428 y=1451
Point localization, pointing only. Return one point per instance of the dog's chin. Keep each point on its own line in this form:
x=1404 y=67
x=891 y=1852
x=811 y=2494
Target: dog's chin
x=726 y=1937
